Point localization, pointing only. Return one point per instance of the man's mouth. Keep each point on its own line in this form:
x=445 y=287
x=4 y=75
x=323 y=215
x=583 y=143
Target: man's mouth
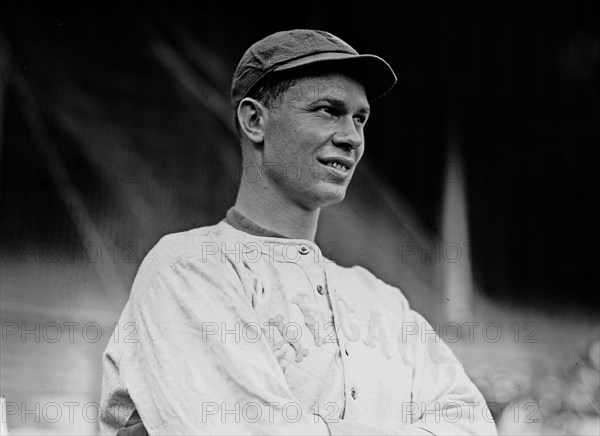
x=341 y=164
x=337 y=166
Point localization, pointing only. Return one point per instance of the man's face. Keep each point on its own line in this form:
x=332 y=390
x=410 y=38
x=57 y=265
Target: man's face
x=314 y=138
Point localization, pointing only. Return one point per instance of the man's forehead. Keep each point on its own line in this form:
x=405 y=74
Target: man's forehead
x=335 y=86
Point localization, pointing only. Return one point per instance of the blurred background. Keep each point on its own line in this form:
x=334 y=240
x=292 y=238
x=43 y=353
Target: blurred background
x=475 y=196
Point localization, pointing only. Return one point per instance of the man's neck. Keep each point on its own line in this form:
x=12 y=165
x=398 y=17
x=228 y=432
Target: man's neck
x=268 y=210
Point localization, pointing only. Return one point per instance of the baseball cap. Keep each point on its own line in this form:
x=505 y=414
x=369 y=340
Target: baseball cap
x=291 y=49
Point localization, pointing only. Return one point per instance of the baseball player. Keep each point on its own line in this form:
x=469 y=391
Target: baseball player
x=245 y=327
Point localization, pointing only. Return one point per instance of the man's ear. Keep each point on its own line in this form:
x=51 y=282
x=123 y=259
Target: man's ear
x=252 y=117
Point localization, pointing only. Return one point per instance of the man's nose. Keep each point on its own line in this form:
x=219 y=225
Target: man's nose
x=348 y=134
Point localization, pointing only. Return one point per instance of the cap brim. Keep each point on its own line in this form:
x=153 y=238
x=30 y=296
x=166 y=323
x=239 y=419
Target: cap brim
x=375 y=73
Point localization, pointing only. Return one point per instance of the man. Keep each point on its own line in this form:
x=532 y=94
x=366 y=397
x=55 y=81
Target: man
x=245 y=327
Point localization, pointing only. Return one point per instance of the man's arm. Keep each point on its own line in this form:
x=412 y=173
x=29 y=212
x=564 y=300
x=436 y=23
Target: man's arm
x=443 y=399
x=200 y=363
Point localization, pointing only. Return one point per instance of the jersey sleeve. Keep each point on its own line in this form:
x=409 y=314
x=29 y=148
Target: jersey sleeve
x=444 y=401
x=200 y=363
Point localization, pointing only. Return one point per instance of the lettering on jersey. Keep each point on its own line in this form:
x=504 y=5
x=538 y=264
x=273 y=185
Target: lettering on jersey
x=290 y=334
x=350 y=330
x=377 y=333
x=300 y=301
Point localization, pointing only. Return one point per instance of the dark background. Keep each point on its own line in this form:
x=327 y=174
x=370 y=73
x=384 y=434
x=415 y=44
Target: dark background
x=516 y=83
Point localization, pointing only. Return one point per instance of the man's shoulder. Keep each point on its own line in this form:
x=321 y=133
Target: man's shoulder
x=186 y=245
x=361 y=281
x=190 y=242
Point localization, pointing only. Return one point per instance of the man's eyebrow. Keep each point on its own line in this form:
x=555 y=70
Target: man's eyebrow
x=340 y=104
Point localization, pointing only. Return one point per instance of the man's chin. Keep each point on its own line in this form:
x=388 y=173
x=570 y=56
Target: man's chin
x=330 y=198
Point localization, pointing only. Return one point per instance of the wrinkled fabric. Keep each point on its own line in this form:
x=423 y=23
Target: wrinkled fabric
x=231 y=333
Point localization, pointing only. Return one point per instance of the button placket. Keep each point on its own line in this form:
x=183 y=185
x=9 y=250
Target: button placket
x=348 y=386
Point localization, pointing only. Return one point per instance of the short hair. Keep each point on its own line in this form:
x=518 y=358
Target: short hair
x=270 y=89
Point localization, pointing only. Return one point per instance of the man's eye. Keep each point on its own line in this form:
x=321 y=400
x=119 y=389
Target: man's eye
x=327 y=110
x=360 y=120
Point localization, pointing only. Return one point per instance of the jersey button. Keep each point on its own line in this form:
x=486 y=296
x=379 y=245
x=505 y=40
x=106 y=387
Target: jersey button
x=320 y=289
x=353 y=393
x=303 y=249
